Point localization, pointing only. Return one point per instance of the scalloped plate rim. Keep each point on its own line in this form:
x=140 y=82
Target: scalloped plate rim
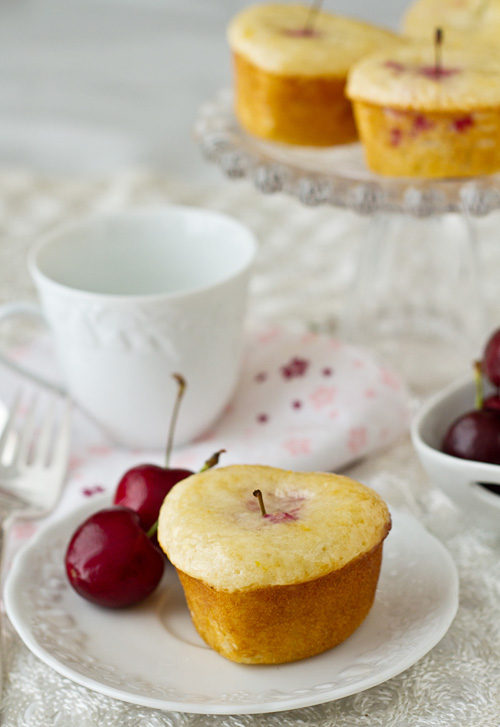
x=19 y=616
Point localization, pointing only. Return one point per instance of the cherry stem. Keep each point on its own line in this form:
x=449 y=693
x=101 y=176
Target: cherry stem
x=311 y=16
x=438 y=45
x=478 y=378
x=258 y=495
x=173 y=420
x=152 y=530
x=212 y=461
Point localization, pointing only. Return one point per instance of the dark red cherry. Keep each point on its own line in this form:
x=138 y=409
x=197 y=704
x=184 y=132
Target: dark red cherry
x=474 y=435
x=493 y=403
x=143 y=489
x=111 y=561
x=491 y=358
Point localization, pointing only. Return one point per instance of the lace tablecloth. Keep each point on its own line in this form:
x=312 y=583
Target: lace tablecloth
x=304 y=269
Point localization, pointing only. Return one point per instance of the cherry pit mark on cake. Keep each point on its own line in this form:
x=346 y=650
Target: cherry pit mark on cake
x=436 y=74
x=285 y=509
x=307 y=30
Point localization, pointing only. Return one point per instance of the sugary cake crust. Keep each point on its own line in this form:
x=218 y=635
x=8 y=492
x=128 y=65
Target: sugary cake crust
x=461 y=20
x=285 y=623
x=265 y=34
x=211 y=526
x=405 y=78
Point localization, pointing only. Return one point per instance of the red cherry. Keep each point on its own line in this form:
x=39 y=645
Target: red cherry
x=475 y=435
x=143 y=489
x=491 y=358
x=493 y=403
x=111 y=561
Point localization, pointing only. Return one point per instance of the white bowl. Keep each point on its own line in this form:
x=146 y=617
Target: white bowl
x=458 y=478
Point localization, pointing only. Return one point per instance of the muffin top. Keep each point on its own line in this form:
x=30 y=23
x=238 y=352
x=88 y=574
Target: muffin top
x=407 y=77
x=212 y=528
x=272 y=36
x=460 y=19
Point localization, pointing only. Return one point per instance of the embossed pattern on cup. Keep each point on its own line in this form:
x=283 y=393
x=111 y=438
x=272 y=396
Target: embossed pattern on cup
x=135 y=296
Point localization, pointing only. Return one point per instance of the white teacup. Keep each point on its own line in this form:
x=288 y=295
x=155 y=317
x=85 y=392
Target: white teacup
x=133 y=297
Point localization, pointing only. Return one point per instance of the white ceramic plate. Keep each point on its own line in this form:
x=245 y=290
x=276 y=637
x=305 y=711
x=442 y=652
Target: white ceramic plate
x=151 y=655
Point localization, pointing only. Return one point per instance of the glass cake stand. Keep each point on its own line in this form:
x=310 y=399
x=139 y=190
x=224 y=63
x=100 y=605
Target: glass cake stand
x=416 y=290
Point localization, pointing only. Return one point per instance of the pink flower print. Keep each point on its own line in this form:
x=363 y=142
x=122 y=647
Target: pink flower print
x=323 y=396
x=294 y=368
x=357 y=439
x=24 y=530
x=205 y=436
x=389 y=379
x=384 y=434
x=93 y=490
x=358 y=363
x=188 y=460
x=262 y=418
x=333 y=414
x=100 y=449
x=297 y=446
x=74 y=463
x=335 y=344
x=370 y=393
x=269 y=335
x=260 y=377
x=309 y=337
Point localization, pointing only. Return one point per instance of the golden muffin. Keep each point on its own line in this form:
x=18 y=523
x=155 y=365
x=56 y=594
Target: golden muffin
x=461 y=20
x=419 y=118
x=280 y=586
x=290 y=69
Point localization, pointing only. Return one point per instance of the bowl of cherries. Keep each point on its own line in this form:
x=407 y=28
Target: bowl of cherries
x=113 y=558
x=456 y=435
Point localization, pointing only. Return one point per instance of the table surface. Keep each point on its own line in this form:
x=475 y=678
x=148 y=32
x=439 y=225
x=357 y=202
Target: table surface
x=304 y=268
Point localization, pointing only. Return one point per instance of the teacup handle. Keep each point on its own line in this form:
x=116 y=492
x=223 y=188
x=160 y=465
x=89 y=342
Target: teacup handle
x=32 y=310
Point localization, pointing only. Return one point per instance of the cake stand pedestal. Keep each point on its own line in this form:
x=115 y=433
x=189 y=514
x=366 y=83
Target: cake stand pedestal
x=416 y=291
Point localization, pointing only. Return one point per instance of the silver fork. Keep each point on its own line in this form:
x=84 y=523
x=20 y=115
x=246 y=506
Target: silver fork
x=34 y=451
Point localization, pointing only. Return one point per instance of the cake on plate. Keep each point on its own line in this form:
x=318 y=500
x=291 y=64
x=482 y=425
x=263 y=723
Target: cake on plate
x=290 y=69
x=461 y=20
x=422 y=117
x=279 y=575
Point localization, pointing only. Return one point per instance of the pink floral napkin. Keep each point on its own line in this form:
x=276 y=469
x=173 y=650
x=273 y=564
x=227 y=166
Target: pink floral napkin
x=304 y=402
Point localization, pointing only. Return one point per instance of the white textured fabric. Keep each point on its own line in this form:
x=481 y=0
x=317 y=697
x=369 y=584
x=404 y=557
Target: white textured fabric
x=305 y=266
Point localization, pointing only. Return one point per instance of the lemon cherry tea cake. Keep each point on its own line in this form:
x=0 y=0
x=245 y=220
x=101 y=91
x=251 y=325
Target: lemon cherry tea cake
x=290 y=69
x=462 y=21
x=417 y=118
x=281 y=586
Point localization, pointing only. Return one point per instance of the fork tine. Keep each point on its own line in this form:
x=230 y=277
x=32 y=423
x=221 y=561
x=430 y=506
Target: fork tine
x=42 y=449
x=60 y=450
x=5 y=438
x=27 y=431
